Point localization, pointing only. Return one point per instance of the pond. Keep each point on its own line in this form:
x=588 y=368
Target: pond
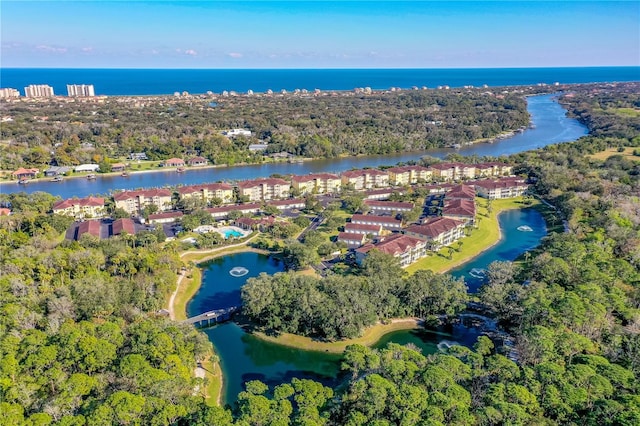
x=244 y=357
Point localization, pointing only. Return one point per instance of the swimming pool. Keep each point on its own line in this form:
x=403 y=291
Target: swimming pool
x=232 y=233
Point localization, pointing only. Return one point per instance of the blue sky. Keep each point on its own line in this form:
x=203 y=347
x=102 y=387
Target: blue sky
x=313 y=34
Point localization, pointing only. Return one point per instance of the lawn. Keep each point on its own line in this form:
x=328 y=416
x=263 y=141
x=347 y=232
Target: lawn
x=484 y=236
x=627 y=153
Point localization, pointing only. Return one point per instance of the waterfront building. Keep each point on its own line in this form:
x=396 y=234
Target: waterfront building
x=23 y=173
x=460 y=209
x=207 y=192
x=174 y=162
x=80 y=208
x=8 y=93
x=409 y=175
x=503 y=188
x=38 y=91
x=197 y=161
x=87 y=168
x=383 y=221
x=318 y=183
x=365 y=179
x=133 y=202
x=437 y=231
x=56 y=171
x=405 y=248
x=80 y=90
x=264 y=189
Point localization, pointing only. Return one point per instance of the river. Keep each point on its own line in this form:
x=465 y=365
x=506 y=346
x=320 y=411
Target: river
x=551 y=125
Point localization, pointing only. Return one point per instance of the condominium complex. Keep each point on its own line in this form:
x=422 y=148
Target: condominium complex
x=38 y=91
x=9 y=93
x=80 y=90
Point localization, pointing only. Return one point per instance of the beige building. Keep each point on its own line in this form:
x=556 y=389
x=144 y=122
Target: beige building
x=38 y=91
x=133 y=202
x=365 y=179
x=409 y=175
x=7 y=93
x=264 y=189
x=406 y=248
x=207 y=192
x=437 y=231
x=319 y=183
x=503 y=188
x=80 y=208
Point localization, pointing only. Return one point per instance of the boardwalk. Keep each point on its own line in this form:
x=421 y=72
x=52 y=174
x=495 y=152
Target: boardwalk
x=212 y=317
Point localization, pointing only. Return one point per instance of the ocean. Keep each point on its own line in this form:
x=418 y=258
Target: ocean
x=119 y=82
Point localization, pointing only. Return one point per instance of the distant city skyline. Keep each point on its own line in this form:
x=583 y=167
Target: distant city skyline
x=312 y=34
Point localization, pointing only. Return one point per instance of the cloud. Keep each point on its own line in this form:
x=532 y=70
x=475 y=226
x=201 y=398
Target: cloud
x=51 y=49
x=190 y=52
x=87 y=49
x=235 y=55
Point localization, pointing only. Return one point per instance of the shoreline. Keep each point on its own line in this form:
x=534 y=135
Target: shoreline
x=506 y=135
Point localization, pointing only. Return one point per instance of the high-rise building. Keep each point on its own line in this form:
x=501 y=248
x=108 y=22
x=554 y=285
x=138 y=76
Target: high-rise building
x=9 y=93
x=80 y=90
x=38 y=91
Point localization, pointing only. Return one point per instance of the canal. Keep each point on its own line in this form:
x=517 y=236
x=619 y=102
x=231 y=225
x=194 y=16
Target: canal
x=550 y=126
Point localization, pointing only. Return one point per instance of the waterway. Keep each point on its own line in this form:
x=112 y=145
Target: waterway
x=513 y=243
x=551 y=126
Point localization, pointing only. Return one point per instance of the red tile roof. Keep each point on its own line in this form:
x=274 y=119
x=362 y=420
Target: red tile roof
x=90 y=226
x=123 y=225
x=82 y=202
x=404 y=169
x=167 y=215
x=258 y=182
x=393 y=245
x=462 y=191
x=369 y=229
x=391 y=205
x=174 y=161
x=434 y=226
x=208 y=186
x=350 y=236
x=126 y=195
x=375 y=219
x=314 y=176
x=459 y=207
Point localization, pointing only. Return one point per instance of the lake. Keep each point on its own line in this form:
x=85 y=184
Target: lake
x=549 y=118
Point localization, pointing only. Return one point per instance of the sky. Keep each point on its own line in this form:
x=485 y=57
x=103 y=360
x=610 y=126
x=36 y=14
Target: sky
x=315 y=34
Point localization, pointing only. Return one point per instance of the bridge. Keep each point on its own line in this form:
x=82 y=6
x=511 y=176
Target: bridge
x=212 y=317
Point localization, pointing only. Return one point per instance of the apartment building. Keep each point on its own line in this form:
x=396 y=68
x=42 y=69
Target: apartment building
x=264 y=189
x=498 y=189
x=383 y=221
x=38 y=91
x=207 y=192
x=437 y=231
x=388 y=207
x=318 y=183
x=80 y=208
x=133 y=202
x=8 y=93
x=80 y=90
x=365 y=179
x=409 y=175
x=405 y=248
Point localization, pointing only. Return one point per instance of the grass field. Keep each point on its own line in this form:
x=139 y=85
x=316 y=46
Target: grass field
x=627 y=153
x=486 y=235
x=370 y=336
